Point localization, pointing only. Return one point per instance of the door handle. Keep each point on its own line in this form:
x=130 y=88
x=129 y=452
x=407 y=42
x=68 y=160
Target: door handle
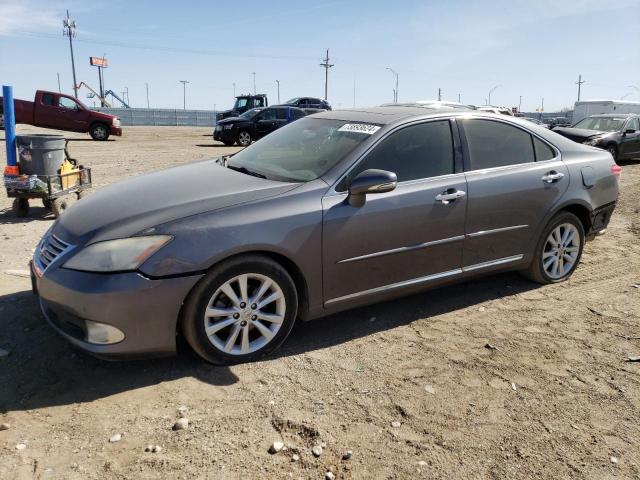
x=450 y=195
x=552 y=176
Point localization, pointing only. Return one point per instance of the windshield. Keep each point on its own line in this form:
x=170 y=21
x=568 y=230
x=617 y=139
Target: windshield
x=303 y=150
x=292 y=101
x=249 y=114
x=603 y=124
x=240 y=103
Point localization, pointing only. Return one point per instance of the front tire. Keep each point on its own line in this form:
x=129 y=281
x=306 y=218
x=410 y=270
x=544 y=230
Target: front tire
x=99 y=131
x=240 y=311
x=613 y=151
x=244 y=138
x=558 y=251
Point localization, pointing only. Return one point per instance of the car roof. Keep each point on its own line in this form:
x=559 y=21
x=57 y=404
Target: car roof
x=387 y=114
x=615 y=115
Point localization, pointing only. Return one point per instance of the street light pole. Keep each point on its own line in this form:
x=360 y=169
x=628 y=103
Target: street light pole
x=234 y=89
x=184 y=93
x=395 y=94
x=254 y=83
x=491 y=91
x=520 y=104
x=278 y=82
x=147 y=87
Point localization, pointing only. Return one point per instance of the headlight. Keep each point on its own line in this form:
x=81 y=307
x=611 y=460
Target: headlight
x=125 y=254
x=116 y=122
x=228 y=127
x=592 y=141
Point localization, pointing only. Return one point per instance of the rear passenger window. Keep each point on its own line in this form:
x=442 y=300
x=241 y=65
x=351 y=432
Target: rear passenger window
x=418 y=151
x=543 y=151
x=496 y=144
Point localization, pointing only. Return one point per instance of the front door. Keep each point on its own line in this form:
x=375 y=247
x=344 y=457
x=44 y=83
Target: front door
x=514 y=179
x=71 y=115
x=630 y=142
x=265 y=123
x=409 y=236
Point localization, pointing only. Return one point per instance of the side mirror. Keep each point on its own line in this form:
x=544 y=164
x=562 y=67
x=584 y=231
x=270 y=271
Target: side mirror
x=630 y=130
x=370 y=181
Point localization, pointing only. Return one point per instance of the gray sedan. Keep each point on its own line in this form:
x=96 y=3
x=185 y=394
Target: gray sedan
x=336 y=210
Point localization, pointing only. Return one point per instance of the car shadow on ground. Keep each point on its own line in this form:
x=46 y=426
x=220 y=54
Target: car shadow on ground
x=345 y=326
x=44 y=370
x=214 y=145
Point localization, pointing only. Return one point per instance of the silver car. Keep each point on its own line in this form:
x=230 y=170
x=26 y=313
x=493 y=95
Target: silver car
x=336 y=210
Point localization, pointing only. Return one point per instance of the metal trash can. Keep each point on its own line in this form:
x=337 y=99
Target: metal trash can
x=40 y=154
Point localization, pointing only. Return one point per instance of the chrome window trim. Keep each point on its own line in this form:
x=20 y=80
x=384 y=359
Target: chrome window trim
x=425 y=279
x=402 y=249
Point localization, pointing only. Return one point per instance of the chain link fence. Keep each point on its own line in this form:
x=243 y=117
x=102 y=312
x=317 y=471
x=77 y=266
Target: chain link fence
x=162 y=116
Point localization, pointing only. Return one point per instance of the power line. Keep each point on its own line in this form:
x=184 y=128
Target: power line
x=326 y=65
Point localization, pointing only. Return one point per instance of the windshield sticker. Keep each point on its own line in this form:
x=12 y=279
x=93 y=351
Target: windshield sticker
x=359 y=128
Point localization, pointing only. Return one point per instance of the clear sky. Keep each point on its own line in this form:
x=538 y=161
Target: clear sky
x=532 y=48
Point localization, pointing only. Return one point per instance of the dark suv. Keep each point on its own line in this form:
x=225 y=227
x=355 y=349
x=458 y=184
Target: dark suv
x=254 y=124
x=618 y=134
x=308 y=102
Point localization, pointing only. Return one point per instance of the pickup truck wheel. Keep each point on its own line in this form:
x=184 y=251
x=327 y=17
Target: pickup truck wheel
x=99 y=131
x=244 y=138
x=46 y=203
x=558 y=251
x=21 y=207
x=58 y=206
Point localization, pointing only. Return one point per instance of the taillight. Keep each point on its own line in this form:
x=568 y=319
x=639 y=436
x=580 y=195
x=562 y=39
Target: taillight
x=616 y=170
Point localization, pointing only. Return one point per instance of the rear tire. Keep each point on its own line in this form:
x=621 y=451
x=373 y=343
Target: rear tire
x=228 y=318
x=99 y=131
x=558 y=251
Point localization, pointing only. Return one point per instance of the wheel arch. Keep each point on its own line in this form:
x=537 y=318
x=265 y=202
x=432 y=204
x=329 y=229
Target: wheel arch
x=285 y=262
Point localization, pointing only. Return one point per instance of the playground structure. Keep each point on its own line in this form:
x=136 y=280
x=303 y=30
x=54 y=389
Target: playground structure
x=94 y=94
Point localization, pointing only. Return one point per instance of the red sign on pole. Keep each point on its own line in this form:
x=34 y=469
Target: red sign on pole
x=98 y=62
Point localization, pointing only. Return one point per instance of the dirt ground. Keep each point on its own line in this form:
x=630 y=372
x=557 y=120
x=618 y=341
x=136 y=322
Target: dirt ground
x=555 y=400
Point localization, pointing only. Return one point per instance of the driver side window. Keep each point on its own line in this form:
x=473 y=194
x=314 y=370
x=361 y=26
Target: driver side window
x=67 y=103
x=415 y=152
x=633 y=124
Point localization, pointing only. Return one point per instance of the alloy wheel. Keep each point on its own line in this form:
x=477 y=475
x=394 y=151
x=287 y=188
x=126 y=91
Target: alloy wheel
x=244 y=138
x=244 y=314
x=561 y=251
x=100 y=132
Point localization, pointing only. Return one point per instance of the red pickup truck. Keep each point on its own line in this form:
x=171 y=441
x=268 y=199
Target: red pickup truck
x=63 y=112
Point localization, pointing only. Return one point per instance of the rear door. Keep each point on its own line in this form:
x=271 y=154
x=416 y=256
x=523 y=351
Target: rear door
x=401 y=238
x=514 y=178
x=282 y=116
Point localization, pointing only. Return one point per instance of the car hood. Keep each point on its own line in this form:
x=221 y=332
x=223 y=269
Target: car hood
x=140 y=203
x=578 y=134
x=231 y=120
x=102 y=116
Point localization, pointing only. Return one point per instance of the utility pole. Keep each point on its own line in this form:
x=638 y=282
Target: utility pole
x=147 y=87
x=254 y=83
x=234 y=90
x=326 y=65
x=278 y=82
x=395 y=92
x=541 y=108
x=439 y=94
x=459 y=97
x=520 y=104
x=69 y=30
x=59 y=89
x=579 y=83
x=184 y=93
x=126 y=91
